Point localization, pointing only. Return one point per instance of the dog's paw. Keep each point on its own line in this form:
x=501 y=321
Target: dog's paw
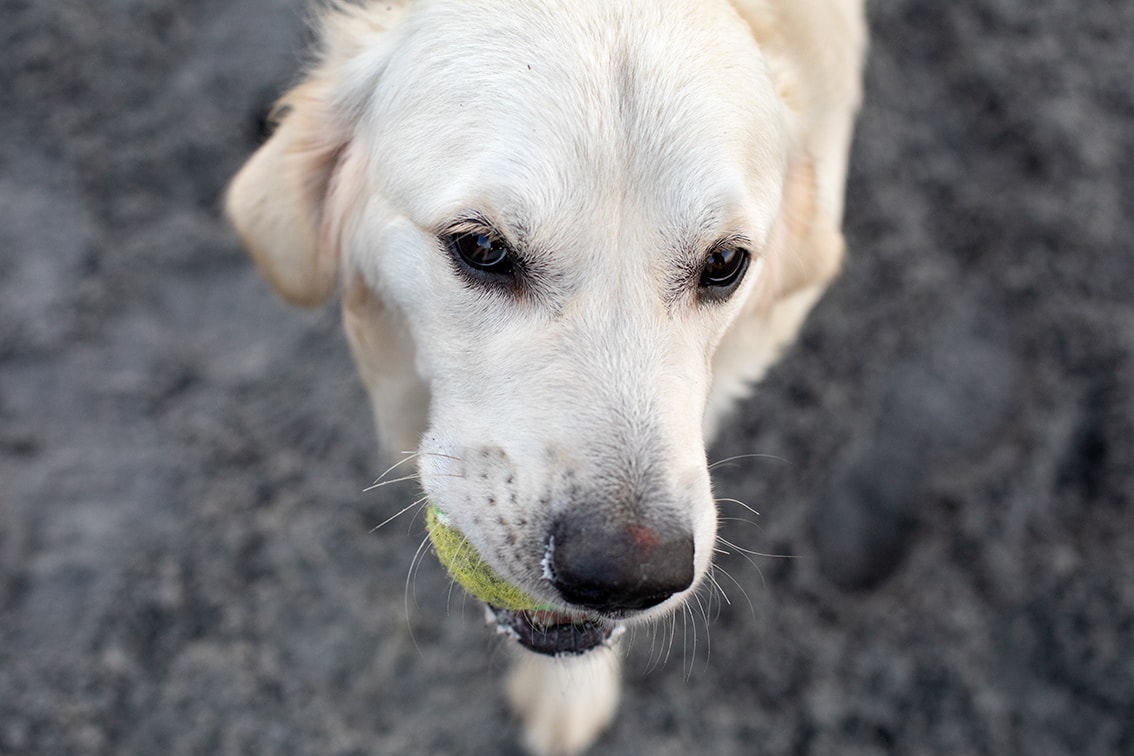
x=564 y=703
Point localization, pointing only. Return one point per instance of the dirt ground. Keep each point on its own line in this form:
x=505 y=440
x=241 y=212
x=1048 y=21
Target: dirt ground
x=186 y=562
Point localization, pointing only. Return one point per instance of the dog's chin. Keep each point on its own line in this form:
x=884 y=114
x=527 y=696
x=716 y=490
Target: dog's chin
x=555 y=633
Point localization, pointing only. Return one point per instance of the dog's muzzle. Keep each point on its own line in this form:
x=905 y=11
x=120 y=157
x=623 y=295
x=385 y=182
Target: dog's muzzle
x=555 y=633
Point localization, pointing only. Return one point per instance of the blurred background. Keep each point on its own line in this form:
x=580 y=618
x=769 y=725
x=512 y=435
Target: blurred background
x=186 y=557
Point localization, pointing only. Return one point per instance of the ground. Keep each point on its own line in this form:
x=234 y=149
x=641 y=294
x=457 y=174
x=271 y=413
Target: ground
x=186 y=557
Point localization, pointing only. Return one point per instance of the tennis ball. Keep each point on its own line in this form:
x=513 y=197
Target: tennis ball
x=475 y=575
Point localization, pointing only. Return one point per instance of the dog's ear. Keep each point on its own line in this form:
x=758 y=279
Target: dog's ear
x=292 y=199
x=812 y=246
x=278 y=200
x=805 y=252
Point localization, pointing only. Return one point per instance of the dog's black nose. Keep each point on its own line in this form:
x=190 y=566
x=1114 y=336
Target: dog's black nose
x=614 y=566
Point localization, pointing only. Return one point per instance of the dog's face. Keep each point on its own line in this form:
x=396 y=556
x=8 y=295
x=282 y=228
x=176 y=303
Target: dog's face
x=557 y=213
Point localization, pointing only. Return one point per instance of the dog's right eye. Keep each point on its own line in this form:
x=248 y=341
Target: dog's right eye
x=724 y=268
x=482 y=253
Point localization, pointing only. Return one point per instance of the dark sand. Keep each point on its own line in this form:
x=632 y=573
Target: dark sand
x=186 y=565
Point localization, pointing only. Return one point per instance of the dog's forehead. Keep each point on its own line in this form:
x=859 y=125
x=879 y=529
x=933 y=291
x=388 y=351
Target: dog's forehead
x=572 y=111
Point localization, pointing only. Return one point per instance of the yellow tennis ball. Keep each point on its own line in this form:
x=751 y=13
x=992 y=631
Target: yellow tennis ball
x=475 y=575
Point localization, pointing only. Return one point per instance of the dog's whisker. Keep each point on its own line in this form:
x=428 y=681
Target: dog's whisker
x=696 y=638
x=399 y=513
x=744 y=593
x=423 y=501
x=684 y=636
x=652 y=630
x=382 y=483
x=744 y=553
x=717 y=600
x=661 y=634
x=721 y=598
x=743 y=550
x=726 y=460
x=657 y=646
x=723 y=500
x=449 y=599
x=705 y=612
x=732 y=547
x=436 y=454
x=460 y=554
x=652 y=656
x=379 y=482
x=711 y=578
x=744 y=520
x=415 y=564
x=411 y=456
x=686 y=642
x=704 y=604
x=672 y=637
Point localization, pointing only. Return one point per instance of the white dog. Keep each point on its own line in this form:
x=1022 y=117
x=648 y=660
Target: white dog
x=569 y=234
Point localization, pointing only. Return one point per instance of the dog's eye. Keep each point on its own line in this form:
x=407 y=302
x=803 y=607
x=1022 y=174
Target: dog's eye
x=723 y=270
x=481 y=252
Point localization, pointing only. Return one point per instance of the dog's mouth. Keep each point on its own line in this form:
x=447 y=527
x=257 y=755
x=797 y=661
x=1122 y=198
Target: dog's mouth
x=555 y=633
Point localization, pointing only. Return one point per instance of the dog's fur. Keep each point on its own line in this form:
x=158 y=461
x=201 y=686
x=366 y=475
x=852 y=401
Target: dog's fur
x=613 y=145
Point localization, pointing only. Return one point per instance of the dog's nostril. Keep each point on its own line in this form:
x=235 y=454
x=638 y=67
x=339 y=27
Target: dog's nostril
x=622 y=568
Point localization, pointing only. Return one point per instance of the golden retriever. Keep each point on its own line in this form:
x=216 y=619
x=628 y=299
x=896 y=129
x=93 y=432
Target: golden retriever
x=569 y=234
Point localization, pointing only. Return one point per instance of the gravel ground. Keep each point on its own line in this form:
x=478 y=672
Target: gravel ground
x=186 y=562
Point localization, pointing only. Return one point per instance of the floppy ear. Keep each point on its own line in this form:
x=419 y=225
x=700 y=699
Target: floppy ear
x=278 y=201
x=812 y=245
x=806 y=250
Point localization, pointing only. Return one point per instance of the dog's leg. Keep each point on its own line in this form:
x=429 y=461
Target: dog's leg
x=564 y=703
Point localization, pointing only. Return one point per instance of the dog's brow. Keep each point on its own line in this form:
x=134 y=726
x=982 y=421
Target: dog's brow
x=516 y=226
x=693 y=250
x=468 y=221
x=511 y=228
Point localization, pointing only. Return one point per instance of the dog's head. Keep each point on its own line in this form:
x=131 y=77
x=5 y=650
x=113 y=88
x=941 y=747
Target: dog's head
x=547 y=216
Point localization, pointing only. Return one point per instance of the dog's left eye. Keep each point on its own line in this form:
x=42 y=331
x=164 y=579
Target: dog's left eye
x=482 y=253
x=723 y=270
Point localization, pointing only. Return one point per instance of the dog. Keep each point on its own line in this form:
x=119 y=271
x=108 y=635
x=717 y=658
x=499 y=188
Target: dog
x=568 y=236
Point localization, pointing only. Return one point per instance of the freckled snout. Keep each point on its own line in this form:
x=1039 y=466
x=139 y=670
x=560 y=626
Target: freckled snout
x=610 y=566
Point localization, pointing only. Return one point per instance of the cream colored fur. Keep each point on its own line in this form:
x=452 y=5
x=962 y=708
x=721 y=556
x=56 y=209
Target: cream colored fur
x=616 y=142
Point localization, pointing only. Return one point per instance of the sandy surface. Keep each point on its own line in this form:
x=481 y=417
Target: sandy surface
x=186 y=565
